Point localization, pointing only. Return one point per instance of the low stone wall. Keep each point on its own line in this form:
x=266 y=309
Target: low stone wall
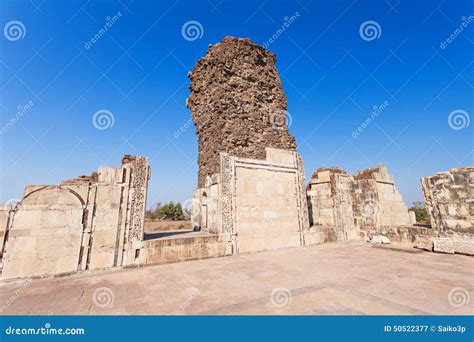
x=449 y=243
x=319 y=234
x=407 y=234
x=177 y=249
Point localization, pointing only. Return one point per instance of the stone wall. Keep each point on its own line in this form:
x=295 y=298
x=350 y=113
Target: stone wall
x=85 y=223
x=175 y=249
x=376 y=202
x=257 y=204
x=330 y=199
x=449 y=199
x=344 y=206
x=237 y=104
x=5 y=214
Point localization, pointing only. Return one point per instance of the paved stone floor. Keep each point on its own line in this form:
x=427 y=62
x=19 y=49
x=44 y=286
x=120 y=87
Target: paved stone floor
x=335 y=278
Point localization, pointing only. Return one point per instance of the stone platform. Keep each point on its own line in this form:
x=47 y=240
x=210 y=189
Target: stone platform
x=342 y=278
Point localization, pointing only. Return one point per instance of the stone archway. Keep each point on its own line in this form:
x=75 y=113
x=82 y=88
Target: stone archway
x=46 y=233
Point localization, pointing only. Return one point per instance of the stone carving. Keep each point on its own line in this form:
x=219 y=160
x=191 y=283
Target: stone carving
x=237 y=104
x=302 y=194
x=139 y=185
x=226 y=193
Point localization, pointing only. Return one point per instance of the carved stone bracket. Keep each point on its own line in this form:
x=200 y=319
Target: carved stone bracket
x=138 y=204
x=304 y=218
x=227 y=179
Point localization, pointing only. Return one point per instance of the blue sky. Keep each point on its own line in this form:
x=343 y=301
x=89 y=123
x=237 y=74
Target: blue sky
x=333 y=73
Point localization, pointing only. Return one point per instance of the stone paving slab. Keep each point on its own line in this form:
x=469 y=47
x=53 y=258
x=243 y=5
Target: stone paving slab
x=344 y=278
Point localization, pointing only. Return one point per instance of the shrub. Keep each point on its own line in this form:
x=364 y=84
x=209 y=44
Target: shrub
x=169 y=211
x=421 y=213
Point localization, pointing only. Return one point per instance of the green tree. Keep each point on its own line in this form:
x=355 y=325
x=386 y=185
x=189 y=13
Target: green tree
x=170 y=211
x=421 y=213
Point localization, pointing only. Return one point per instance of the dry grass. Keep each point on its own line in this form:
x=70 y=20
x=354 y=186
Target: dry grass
x=157 y=226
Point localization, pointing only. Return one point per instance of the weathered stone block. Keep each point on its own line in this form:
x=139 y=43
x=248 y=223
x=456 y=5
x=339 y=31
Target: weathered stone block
x=443 y=245
x=424 y=242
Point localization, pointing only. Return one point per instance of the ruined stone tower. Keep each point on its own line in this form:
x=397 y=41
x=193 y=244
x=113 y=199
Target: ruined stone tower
x=237 y=104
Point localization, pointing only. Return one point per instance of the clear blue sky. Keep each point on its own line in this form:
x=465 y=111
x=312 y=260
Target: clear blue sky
x=137 y=70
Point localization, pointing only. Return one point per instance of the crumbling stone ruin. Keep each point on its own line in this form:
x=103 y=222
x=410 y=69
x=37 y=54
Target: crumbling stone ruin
x=449 y=199
x=330 y=203
x=237 y=104
x=347 y=207
x=251 y=193
x=251 y=180
x=85 y=223
x=377 y=202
